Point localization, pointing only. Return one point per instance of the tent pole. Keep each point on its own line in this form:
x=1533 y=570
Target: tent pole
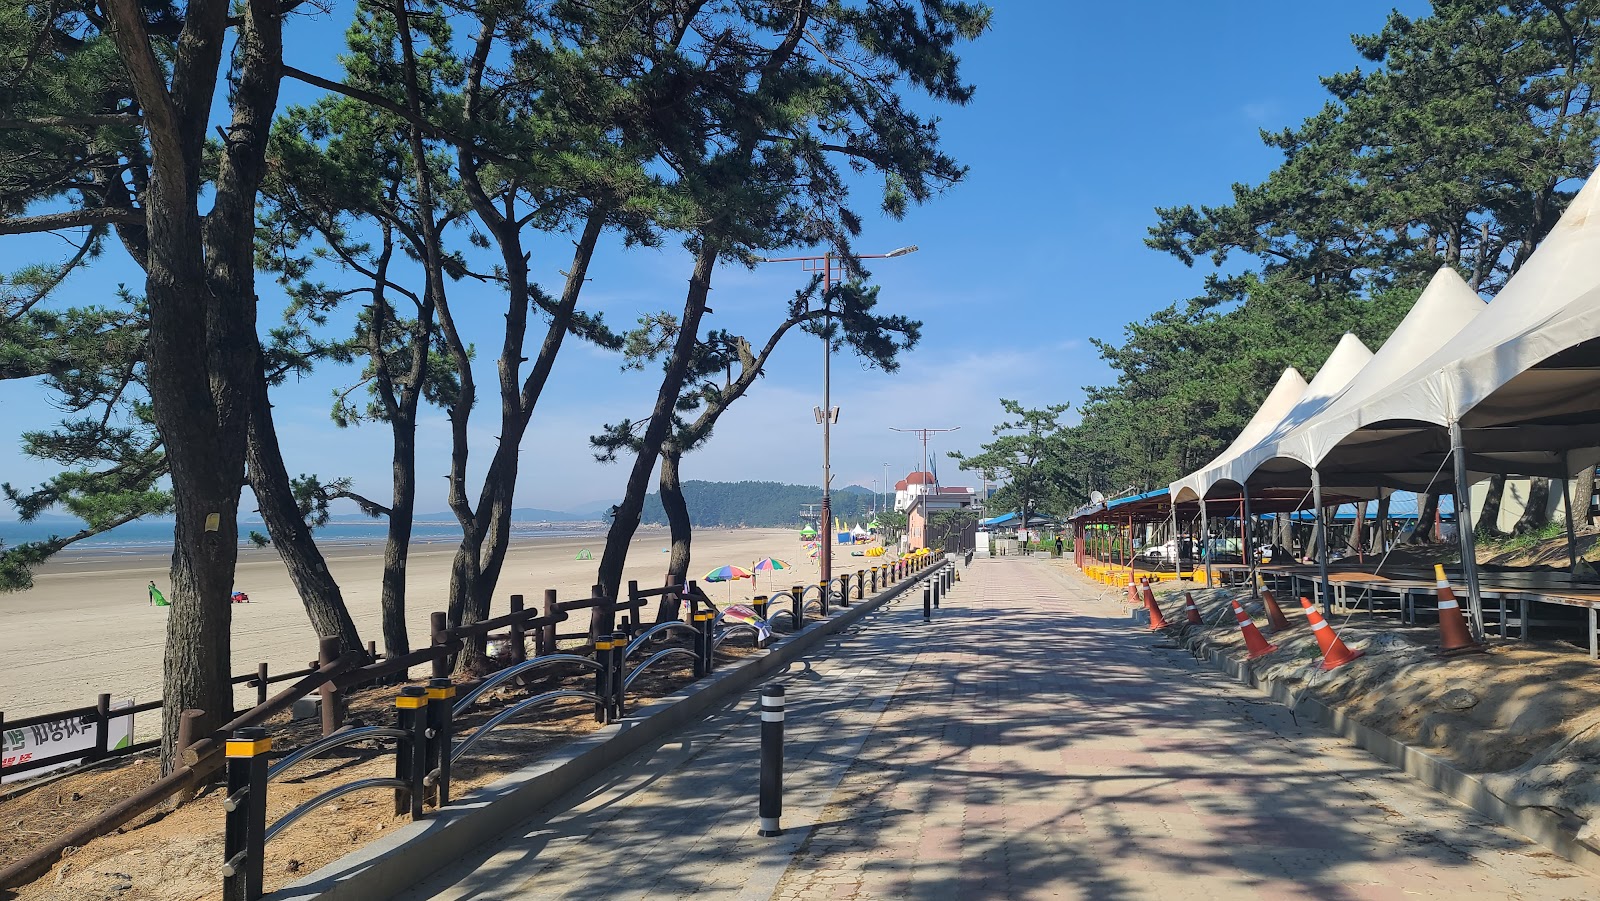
x=1205 y=533
x=1469 y=546
x=1177 y=556
x=1566 y=498
x=1249 y=555
x=1322 y=545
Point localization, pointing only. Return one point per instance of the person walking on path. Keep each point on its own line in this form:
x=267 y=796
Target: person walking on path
x=1061 y=547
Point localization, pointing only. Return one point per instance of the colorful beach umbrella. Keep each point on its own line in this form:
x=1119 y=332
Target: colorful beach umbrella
x=771 y=564
x=729 y=574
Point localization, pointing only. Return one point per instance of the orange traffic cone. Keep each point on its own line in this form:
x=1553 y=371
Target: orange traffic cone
x=1191 y=611
x=1454 y=636
x=1253 y=640
x=1335 y=653
x=1275 y=617
x=1133 y=590
x=1157 y=621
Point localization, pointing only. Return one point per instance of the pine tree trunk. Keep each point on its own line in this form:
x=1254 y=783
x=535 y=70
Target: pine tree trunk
x=678 y=521
x=1421 y=530
x=1383 y=525
x=625 y=522
x=290 y=535
x=397 y=547
x=1582 y=494
x=1357 y=543
x=1488 y=518
x=200 y=289
x=1536 y=515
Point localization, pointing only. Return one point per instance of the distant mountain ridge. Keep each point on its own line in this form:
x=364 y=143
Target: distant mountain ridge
x=521 y=514
x=764 y=504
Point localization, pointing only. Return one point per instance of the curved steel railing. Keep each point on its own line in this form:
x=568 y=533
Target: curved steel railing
x=512 y=672
x=650 y=661
x=644 y=636
x=289 y=819
x=548 y=697
x=733 y=630
x=347 y=737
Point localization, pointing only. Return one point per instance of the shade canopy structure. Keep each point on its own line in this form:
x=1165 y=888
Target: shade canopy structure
x=1445 y=307
x=1291 y=386
x=1239 y=463
x=1157 y=506
x=1521 y=384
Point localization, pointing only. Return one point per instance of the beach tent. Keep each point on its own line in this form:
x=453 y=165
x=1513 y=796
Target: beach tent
x=1516 y=393
x=808 y=532
x=859 y=532
x=1349 y=357
x=1280 y=400
x=1443 y=309
x=1520 y=388
x=1235 y=465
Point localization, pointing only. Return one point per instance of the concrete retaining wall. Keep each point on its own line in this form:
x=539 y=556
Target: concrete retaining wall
x=1540 y=825
x=409 y=855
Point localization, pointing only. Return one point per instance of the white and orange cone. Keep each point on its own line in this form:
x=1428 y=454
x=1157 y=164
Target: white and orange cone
x=1454 y=636
x=1191 y=611
x=1275 y=617
x=1335 y=653
x=1254 y=641
x=1157 y=621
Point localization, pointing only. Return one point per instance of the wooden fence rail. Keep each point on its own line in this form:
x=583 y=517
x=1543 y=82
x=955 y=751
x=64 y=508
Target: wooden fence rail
x=335 y=672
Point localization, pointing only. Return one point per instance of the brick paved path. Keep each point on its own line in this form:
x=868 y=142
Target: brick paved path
x=1028 y=744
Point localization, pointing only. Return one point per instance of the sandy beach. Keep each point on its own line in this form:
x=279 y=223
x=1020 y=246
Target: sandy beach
x=87 y=627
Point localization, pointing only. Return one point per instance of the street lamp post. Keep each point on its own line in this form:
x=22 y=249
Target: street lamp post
x=826 y=414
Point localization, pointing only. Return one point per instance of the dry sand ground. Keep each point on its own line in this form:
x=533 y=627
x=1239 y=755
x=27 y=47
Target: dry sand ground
x=87 y=627
x=1525 y=716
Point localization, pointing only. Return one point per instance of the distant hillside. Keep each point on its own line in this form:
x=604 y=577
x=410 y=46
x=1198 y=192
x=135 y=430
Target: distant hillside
x=724 y=504
x=518 y=514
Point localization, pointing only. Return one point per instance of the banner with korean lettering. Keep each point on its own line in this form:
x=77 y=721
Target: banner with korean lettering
x=36 y=742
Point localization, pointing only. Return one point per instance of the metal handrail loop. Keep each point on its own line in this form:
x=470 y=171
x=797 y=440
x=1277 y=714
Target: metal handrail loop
x=349 y=736
x=522 y=705
x=662 y=654
x=508 y=673
x=667 y=626
x=733 y=630
x=338 y=791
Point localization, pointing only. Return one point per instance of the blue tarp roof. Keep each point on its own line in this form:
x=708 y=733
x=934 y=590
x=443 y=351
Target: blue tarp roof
x=1009 y=518
x=1402 y=506
x=1160 y=492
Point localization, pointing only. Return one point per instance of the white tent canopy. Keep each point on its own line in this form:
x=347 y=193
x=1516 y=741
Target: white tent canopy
x=1530 y=359
x=1347 y=359
x=1443 y=309
x=1280 y=400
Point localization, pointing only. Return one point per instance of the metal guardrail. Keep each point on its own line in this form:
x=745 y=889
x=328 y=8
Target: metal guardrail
x=424 y=747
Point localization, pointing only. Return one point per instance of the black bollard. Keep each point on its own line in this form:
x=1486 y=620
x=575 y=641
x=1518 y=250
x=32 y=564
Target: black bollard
x=759 y=602
x=602 y=656
x=708 y=625
x=771 y=803
x=619 y=663
x=411 y=754
x=927 y=601
x=245 y=822
x=936 y=580
x=797 y=606
x=441 y=701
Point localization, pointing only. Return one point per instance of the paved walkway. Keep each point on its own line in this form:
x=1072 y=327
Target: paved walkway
x=1028 y=744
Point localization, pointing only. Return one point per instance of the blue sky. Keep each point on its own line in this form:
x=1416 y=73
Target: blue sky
x=1087 y=117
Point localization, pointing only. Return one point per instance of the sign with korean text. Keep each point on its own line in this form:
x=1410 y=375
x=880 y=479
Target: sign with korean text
x=29 y=743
